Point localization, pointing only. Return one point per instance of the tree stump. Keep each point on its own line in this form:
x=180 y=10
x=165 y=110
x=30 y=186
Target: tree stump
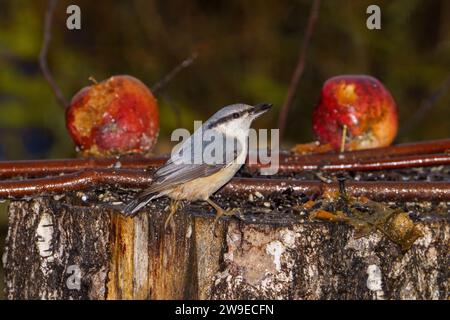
x=60 y=247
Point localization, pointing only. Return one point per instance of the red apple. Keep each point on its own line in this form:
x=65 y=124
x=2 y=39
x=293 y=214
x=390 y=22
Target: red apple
x=114 y=117
x=361 y=103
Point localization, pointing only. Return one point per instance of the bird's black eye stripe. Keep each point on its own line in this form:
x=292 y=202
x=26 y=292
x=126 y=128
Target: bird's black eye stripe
x=234 y=115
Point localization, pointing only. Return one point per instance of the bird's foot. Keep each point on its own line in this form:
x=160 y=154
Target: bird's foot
x=173 y=209
x=228 y=212
x=222 y=212
x=129 y=214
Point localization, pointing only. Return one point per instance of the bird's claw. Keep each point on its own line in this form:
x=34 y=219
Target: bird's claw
x=229 y=212
x=174 y=205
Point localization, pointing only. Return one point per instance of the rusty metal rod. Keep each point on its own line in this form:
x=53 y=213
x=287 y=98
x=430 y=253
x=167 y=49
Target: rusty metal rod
x=386 y=190
x=399 y=162
x=36 y=168
x=422 y=147
x=74 y=181
x=39 y=168
x=375 y=190
x=300 y=162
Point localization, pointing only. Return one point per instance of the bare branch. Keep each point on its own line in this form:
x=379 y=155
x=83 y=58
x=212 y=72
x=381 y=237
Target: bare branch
x=167 y=78
x=313 y=14
x=44 y=51
x=426 y=106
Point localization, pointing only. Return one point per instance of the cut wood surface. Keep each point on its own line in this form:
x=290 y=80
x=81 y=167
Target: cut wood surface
x=58 y=248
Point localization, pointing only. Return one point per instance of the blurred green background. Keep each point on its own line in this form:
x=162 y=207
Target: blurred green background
x=247 y=53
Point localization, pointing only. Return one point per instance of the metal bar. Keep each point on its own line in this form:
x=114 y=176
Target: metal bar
x=375 y=190
x=347 y=161
x=398 y=162
x=36 y=168
x=379 y=190
x=422 y=147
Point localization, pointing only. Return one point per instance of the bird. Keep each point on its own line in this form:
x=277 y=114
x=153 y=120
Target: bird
x=187 y=176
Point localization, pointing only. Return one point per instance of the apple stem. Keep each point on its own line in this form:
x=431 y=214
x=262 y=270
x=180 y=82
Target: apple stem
x=344 y=134
x=93 y=80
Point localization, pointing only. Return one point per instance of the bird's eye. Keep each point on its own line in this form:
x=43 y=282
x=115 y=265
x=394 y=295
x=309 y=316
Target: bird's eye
x=235 y=115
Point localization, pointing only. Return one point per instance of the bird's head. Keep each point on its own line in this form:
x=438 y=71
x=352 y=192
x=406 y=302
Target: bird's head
x=236 y=117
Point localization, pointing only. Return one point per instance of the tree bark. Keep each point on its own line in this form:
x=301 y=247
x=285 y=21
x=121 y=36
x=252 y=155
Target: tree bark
x=56 y=249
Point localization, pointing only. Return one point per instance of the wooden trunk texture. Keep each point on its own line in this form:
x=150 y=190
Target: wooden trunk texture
x=55 y=251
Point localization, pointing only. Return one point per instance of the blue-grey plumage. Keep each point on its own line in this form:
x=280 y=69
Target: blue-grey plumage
x=187 y=176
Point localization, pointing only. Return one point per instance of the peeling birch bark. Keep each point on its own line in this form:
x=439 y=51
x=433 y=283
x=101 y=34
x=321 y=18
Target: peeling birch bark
x=55 y=251
x=323 y=261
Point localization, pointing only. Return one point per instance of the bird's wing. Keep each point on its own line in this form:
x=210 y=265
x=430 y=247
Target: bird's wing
x=179 y=170
x=182 y=169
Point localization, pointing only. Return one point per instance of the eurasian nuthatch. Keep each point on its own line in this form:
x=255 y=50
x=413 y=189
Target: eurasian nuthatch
x=187 y=175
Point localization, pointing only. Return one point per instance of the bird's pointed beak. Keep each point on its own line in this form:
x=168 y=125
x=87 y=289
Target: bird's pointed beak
x=260 y=108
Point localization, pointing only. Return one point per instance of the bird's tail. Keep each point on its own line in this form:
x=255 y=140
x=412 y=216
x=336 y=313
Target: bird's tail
x=138 y=203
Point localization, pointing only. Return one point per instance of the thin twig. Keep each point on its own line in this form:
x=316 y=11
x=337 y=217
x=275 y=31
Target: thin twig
x=183 y=65
x=313 y=14
x=426 y=106
x=44 y=51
